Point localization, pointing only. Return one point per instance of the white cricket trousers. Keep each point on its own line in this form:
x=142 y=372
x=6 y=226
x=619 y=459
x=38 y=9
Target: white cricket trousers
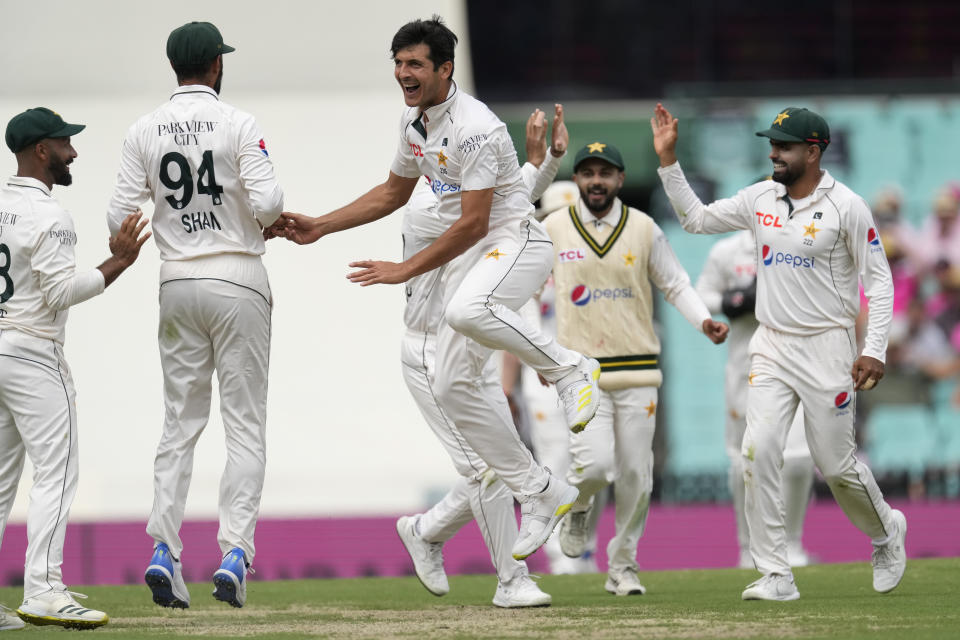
x=813 y=371
x=478 y=494
x=38 y=417
x=797 y=466
x=617 y=446
x=211 y=325
x=483 y=289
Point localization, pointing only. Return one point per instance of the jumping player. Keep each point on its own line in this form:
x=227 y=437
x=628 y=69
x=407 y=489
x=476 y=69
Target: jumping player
x=498 y=257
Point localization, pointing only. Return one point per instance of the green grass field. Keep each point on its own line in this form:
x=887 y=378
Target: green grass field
x=836 y=601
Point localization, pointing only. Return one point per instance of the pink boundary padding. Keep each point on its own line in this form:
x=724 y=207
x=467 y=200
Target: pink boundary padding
x=677 y=537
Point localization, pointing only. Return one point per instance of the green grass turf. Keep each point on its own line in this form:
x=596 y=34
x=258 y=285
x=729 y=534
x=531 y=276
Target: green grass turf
x=837 y=601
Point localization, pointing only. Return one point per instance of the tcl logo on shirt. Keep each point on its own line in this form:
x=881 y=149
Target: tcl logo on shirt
x=768 y=220
x=416 y=150
x=571 y=255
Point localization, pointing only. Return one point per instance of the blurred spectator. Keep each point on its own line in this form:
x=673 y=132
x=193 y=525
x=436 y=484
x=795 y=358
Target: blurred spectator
x=939 y=237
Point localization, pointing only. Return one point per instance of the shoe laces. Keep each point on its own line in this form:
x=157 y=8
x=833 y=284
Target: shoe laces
x=883 y=555
x=435 y=551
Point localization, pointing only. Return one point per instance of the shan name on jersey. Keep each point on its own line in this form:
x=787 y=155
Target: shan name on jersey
x=200 y=221
x=186 y=132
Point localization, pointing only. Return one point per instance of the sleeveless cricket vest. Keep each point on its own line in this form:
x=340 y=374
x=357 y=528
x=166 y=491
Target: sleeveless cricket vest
x=604 y=302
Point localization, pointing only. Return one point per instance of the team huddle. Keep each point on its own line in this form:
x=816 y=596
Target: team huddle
x=474 y=254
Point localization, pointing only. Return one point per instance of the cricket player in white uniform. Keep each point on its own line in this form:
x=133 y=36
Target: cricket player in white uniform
x=39 y=282
x=728 y=285
x=478 y=494
x=498 y=257
x=606 y=256
x=205 y=166
x=816 y=242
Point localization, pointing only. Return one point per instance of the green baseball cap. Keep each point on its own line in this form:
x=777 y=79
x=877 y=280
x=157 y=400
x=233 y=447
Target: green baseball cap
x=34 y=125
x=195 y=43
x=601 y=150
x=795 y=124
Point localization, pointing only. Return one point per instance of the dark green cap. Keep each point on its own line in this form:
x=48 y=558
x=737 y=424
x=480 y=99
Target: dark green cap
x=601 y=150
x=33 y=125
x=794 y=124
x=195 y=43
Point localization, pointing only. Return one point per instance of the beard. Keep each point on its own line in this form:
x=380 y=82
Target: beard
x=597 y=208
x=216 y=85
x=61 y=174
x=787 y=177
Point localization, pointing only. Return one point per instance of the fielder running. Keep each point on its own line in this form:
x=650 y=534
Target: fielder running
x=606 y=256
x=478 y=494
x=728 y=285
x=815 y=240
x=39 y=282
x=498 y=254
x=205 y=166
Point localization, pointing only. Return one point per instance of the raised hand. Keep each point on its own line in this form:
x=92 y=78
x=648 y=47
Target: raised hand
x=536 y=138
x=559 y=136
x=665 y=133
x=125 y=246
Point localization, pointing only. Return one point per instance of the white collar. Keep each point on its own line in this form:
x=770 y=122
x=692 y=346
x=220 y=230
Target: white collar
x=612 y=218
x=23 y=181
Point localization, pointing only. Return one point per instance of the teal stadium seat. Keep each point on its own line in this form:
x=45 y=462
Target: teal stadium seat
x=946 y=423
x=901 y=438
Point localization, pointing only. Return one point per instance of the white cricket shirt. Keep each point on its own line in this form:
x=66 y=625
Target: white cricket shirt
x=467 y=148
x=811 y=253
x=205 y=165
x=38 y=276
x=422 y=225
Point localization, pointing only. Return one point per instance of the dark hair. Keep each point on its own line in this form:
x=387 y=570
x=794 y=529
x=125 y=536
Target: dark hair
x=433 y=33
x=192 y=71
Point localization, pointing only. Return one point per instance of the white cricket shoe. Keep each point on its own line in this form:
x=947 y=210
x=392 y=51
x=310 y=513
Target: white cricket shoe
x=540 y=513
x=624 y=583
x=772 y=586
x=8 y=621
x=574 y=532
x=427 y=556
x=521 y=591
x=890 y=560
x=580 y=393
x=59 y=608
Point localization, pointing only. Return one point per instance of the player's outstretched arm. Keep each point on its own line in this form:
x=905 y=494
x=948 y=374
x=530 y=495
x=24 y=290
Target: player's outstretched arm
x=125 y=246
x=665 y=133
x=472 y=225
x=377 y=203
